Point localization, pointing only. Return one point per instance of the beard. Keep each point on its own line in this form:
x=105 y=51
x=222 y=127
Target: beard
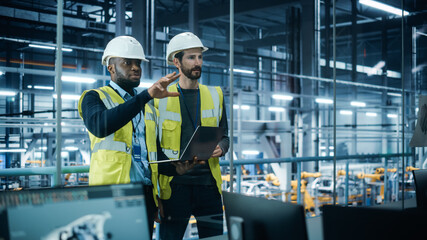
x=189 y=72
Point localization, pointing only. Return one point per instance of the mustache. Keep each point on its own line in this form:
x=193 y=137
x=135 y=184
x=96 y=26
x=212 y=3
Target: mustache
x=197 y=68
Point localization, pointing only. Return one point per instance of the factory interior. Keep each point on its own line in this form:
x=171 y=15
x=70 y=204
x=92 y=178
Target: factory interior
x=324 y=99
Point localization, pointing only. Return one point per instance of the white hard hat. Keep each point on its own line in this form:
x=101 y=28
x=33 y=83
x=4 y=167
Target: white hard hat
x=123 y=47
x=181 y=42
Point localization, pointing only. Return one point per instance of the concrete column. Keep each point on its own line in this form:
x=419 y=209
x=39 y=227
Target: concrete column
x=193 y=16
x=139 y=28
x=307 y=68
x=120 y=17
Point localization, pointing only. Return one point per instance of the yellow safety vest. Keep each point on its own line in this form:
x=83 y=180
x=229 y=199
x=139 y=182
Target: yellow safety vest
x=111 y=156
x=211 y=102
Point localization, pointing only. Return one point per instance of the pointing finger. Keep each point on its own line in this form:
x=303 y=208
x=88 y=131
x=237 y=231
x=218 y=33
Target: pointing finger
x=173 y=94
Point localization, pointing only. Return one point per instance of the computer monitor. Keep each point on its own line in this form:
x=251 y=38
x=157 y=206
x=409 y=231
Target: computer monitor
x=355 y=223
x=97 y=212
x=420 y=180
x=260 y=218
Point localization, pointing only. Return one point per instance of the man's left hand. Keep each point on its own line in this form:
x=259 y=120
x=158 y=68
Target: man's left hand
x=217 y=152
x=159 y=88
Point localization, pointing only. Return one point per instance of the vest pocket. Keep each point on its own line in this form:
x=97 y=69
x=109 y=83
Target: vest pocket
x=170 y=131
x=110 y=167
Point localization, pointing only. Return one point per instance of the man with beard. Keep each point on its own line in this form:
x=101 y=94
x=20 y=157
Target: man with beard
x=122 y=125
x=198 y=191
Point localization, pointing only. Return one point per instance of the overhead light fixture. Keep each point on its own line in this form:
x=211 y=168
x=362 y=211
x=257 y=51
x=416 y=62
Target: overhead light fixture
x=243 y=107
x=7 y=93
x=68 y=96
x=324 y=100
x=371 y=114
x=357 y=104
x=78 y=79
x=359 y=68
x=43 y=148
x=331 y=147
x=384 y=7
x=41 y=87
x=243 y=71
x=394 y=94
x=12 y=150
x=250 y=152
x=376 y=68
x=1 y=73
x=322 y=147
x=390 y=115
x=276 y=109
x=282 y=97
x=71 y=148
x=49 y=47
x=346 y=112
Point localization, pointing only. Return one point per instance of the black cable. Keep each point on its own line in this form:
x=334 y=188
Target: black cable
x=31 y=113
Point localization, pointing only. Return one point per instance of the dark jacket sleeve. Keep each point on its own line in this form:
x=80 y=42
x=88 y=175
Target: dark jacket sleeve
x=101 y=121
x=224 y=143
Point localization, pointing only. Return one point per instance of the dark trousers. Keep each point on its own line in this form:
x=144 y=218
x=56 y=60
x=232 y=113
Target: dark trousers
x=150 y=205
x=202 y=201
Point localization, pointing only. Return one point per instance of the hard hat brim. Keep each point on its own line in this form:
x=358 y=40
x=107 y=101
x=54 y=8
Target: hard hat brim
x=172 y=56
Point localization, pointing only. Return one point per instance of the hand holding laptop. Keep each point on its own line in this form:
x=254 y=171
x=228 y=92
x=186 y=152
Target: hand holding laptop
x=217 y=152
x=183 y=167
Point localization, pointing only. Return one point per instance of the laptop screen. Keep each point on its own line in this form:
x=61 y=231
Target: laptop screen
x=97 y=212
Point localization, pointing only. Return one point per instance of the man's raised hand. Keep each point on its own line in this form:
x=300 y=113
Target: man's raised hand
x=160 y=88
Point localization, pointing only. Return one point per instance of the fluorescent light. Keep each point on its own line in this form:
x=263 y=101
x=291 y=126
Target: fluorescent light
x=1 y=73
x=357 y=104
x=250 y=152
x=7 y=93
x=390 y=115
x=394 y=94
x=243 y=107
x=68 y=96
x=331 y=147
x=376 y=68
x=78 y=79
x=359 y=68
x=49 y=47
x=11 y=150
x=324 y=100
x=41 y=87
x=243 y=71
x=371 y=114
x=322 y=147
x=416 y=110
x=282 y=97
x=71 y=148
x=145 y=84
x=276 y=109
x=384 y=7
x=346 y=112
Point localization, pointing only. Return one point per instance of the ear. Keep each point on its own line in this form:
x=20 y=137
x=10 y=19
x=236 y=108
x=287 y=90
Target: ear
x=111 y=68
x=177 y=63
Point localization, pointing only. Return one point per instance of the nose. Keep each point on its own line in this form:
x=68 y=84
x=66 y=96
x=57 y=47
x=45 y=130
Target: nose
x=199 y=61
x=136 y=67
